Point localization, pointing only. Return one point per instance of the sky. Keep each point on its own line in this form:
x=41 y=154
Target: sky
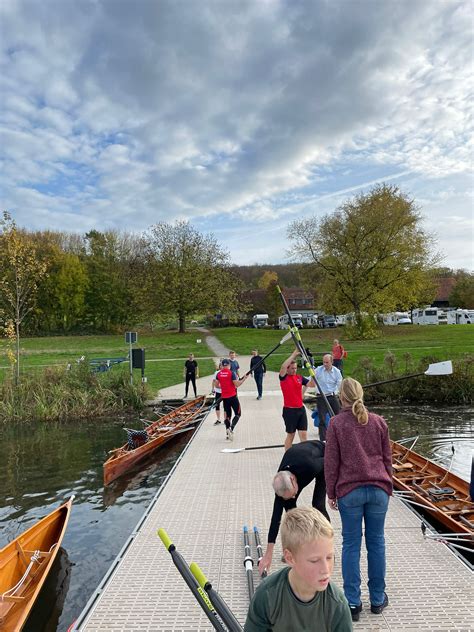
x=237 y=116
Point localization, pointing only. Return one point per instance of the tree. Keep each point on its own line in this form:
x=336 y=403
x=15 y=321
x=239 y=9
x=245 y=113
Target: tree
x=20 y=273
x=462 y=294
x=188 y=272
x=267 y=278
x=372 y=254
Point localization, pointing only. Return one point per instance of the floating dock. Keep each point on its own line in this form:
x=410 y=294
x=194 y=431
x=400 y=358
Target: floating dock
x=204 y=504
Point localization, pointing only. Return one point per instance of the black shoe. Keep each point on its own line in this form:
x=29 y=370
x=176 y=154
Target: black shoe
x=355 y=612
x=379 y=609
x=217 y=422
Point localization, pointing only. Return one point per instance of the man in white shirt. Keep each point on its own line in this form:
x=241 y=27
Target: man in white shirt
x=329 y=379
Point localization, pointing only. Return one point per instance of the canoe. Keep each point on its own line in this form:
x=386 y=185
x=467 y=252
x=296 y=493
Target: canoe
x=444 y=495
x=160 y=432
x=25 y=563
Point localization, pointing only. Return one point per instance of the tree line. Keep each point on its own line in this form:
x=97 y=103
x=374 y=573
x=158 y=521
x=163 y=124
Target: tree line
x=370 y=255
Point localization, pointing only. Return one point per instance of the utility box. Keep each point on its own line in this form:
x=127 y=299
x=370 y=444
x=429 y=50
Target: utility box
x=138 y=359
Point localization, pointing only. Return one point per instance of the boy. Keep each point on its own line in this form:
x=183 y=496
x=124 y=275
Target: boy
x=300 y=596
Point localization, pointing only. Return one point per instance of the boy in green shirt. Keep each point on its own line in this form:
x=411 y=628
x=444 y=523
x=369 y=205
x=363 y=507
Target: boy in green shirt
x=300 y=597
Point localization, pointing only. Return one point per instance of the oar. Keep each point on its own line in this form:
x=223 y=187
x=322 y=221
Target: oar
x=258 y=545
x=198 y=592
x=301 y=348
x=256 y=447
x=438 y=368
x=248 y=563
x=288 y=336
x=217 y=601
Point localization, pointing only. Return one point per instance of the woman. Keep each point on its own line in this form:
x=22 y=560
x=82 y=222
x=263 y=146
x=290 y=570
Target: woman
x=338 y=354
x=358 y=472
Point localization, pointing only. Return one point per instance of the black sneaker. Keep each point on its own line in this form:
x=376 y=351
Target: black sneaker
x=355 y=612
x=381 y=608
x=217 y=422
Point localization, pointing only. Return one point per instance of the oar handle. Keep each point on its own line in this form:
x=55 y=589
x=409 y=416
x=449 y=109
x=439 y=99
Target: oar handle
x=165 y=538
x=199 y=575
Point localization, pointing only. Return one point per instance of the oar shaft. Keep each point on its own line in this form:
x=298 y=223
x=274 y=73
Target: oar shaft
x=248 y=563
x=198 y=592
x=218 y=602
x=260 y=362
x=258 y=545
x=393 y=379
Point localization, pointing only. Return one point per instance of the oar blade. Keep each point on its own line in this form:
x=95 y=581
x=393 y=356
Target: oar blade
x=286 y=337
x=232 y=450
x=440 y=368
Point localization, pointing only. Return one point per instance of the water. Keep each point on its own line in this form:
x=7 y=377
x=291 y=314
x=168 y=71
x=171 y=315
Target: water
x=42 y=465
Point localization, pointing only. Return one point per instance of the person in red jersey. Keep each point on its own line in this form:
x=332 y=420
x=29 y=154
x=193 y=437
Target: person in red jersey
x=228 y=382
x=294 y=412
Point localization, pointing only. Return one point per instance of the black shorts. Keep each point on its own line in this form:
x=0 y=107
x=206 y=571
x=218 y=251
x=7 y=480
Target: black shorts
x=295 y=419
x=217 y=400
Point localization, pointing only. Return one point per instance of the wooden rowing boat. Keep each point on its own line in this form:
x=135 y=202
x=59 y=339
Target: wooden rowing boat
x=24 y=565
x=444 y=495
x=160 y=432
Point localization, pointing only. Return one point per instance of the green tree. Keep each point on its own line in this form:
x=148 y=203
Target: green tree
x=462 y=294
x=20 y=273
x=273 y=301
x=188 y=272
x=372 y=254
x=267 y=278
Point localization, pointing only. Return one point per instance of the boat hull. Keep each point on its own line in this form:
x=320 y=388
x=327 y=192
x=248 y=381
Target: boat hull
x=444 y=494
x=160 y=432
x=45 y=536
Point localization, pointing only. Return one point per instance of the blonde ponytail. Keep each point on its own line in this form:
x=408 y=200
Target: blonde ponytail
x=353 y=394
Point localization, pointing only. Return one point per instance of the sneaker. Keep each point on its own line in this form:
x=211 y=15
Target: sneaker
x=379 y=609
x=227 y=433
x=217 y=422
x=259 y=397
x=231 y=434
x=355 y=612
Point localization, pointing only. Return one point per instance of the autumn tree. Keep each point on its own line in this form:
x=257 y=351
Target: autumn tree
x=21 y=270
x=462 y=294
x=372 y=254
x=188 y=272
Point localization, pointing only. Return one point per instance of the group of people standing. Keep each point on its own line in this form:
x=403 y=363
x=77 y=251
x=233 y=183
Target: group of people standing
x=350 y=464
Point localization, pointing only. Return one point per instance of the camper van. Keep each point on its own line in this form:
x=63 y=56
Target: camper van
x=430 y=316
x=283 y=321
x=460 y=317
x=396 y=318
x=260 y=320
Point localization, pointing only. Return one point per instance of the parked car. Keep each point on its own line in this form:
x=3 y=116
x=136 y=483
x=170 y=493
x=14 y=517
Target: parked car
x=326 y=320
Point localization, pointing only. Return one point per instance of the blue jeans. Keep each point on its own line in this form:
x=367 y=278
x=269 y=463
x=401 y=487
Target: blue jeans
x=369 y=503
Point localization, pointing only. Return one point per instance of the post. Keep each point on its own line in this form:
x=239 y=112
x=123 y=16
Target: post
x=130 y=337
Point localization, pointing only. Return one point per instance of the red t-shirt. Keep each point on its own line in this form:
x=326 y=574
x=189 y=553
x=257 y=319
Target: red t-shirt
x=226 y=379
x=338 y=352
x=292 y=388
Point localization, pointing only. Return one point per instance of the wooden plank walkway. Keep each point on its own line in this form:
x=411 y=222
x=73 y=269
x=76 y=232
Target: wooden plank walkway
x=203 y=507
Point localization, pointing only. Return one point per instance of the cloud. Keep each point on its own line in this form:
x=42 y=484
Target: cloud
x=162 y=110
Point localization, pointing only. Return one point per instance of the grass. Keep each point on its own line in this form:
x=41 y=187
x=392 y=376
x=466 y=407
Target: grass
x=165 y=354
x=446 y=342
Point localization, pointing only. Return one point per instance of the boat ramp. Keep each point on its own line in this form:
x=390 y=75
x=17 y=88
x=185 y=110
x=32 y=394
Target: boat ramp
x=205 y=502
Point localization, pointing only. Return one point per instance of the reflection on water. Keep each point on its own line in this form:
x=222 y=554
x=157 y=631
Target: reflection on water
x=42 y=465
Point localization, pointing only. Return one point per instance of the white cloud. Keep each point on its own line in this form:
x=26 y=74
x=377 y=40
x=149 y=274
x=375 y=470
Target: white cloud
x=255 y=110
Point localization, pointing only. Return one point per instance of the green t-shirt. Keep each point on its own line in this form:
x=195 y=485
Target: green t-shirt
x=275 y=608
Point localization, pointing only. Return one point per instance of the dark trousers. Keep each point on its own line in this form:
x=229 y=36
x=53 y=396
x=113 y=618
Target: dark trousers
x=258 y=377
x=322 y=410
x=339 y=364
x=319 y=497
x=190 y=377
x=231 y=404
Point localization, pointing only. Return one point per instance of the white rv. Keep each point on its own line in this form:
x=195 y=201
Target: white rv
x=260 y=320
x=283 y=321
x=430 y=316
x=396 y=318
x=460 y=317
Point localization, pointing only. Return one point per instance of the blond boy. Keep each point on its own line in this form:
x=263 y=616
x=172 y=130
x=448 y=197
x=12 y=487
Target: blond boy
x=300 y=596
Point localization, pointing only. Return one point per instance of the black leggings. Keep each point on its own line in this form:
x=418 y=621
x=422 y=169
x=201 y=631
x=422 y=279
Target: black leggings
x=231 y=404
x=190 y=377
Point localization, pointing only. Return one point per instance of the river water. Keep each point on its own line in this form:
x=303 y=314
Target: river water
x=42 y=465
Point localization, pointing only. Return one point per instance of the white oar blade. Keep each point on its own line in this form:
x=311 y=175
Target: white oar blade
x=285 y=338
x=232 y=450
x=440 y=368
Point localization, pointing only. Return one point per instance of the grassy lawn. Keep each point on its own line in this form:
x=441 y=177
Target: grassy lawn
x=165 y=354
x=166 y=351
x=442 y=342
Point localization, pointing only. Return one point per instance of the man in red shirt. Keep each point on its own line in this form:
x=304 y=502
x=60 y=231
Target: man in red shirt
x=294 y=412
x=228 y=381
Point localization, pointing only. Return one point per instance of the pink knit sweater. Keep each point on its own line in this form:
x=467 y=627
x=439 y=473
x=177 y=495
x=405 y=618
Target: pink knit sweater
x=357 y=455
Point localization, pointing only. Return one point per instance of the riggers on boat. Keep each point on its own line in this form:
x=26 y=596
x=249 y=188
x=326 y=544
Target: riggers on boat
x=443 y=494
x=24 y=565
x=158 y=433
